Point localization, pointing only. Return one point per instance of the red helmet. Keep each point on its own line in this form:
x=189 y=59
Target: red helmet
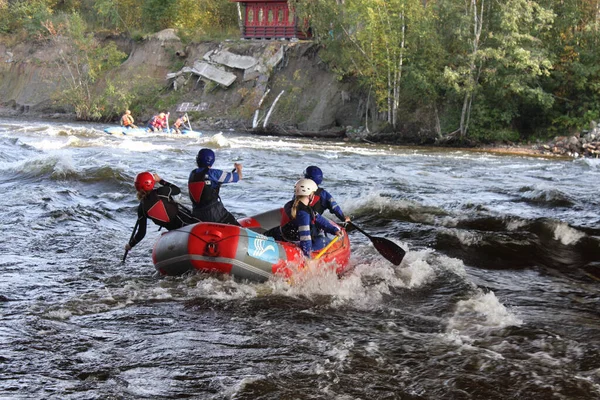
x=144 y=181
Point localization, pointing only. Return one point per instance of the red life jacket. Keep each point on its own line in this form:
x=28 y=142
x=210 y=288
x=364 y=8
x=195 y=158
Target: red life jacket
x=200 y=187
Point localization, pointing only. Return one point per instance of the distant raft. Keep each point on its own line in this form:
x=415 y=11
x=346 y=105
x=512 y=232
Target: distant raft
x=240 y=251
x=139 y=132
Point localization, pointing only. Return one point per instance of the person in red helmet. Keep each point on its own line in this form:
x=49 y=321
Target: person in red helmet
x=158 y=205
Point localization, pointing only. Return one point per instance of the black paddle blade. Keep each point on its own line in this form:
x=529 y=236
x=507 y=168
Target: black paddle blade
x=388 y=249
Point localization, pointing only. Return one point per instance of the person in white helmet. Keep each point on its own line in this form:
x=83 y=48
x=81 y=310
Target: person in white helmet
x=304 y=224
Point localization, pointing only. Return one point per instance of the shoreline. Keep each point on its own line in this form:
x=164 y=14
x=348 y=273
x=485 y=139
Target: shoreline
x=525 y=150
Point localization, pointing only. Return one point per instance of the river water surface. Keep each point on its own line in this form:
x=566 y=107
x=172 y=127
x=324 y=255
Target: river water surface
x=498 y=296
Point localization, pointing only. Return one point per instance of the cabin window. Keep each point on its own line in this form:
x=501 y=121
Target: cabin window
x=251 y=15
x=270 y=17
x=261 y=16
x=291 y=18
x=280 y=16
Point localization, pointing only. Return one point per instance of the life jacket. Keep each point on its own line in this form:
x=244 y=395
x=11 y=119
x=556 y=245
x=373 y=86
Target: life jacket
x=202 y=191
x=205 y=198
x=315 y=204
x=161 y=210
x=126 y=120
x=289 y=231
x=178 y=122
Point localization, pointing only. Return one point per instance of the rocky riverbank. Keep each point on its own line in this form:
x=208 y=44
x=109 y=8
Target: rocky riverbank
x=585 y=144
x=242 y=85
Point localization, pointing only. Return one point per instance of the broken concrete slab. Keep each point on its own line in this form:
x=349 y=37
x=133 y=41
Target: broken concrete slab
x=269 y=59
x=213 y=73
x=231 y=60
x=275 y=58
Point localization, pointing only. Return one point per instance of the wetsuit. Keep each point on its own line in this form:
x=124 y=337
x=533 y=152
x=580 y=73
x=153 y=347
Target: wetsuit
x=304 y=228
x=163 y=210
x=323 y=200
x=204 y=185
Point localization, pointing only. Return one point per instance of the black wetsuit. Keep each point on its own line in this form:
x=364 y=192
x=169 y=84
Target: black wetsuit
x=204 y=194
x=163 y=210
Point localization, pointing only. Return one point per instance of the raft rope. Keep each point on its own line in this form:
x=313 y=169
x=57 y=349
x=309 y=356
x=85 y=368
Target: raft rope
x=322 y=251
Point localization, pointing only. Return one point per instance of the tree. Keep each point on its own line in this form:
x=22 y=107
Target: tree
x=575 y=81
x=497 y=59
x=83 y=61
x=376 y=39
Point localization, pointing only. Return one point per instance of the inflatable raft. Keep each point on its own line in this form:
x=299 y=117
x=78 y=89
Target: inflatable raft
x=140 y=132
x=243 y=252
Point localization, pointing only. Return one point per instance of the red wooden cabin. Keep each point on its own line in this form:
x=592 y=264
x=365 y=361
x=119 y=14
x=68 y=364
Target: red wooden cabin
x=271 y=19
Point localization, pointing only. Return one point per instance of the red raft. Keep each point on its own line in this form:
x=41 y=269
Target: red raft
x=243 y=252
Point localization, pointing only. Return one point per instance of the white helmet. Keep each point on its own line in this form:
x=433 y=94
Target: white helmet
x=305 y=187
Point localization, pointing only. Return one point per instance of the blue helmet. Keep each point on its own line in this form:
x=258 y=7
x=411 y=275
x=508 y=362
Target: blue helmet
x=205 y=158
x=314 y=173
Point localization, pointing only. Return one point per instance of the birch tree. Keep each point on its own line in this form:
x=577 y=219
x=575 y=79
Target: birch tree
x=374 y=39
x=499 y=61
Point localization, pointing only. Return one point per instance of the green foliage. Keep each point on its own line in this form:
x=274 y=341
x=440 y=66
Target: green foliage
x=528 y=71
x=108 y=13
x=159 y=14
x=113 y=101
x=26 y=15
x=83 y=62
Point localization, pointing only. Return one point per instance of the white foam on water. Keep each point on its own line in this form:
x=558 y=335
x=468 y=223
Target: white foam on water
x=565 y=234
x=592 y=162
x=58 y=165
x=141 y=146
x=231 y=387
x=515 y=224
x=376 y=200
x=59 y=315
x=479 y=314
x=370 y=279
x=467 y=238
x=46 y=144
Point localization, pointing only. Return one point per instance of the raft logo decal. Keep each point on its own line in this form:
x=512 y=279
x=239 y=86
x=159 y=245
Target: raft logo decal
x=262 y=247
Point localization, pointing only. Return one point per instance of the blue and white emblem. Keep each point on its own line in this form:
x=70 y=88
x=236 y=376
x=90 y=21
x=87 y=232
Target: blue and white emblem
x=262 y=247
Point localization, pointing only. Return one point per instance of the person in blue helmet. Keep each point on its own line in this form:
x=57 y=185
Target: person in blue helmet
x=304 y=224
x=322 y=199
x=204 y=185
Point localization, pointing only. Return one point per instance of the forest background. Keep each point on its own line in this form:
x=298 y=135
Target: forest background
x=475 y=70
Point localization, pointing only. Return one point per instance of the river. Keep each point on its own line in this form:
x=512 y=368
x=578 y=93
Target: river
x=497 y=297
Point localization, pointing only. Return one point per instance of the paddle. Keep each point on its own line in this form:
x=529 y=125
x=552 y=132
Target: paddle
x=187 y=118
x=132 y=235
x=335 y=239
x=388 y=249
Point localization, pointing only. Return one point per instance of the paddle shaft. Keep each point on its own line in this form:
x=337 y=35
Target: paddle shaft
x=360 y=230
x=132 y=235
x=188 y=121
x=335 y=239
